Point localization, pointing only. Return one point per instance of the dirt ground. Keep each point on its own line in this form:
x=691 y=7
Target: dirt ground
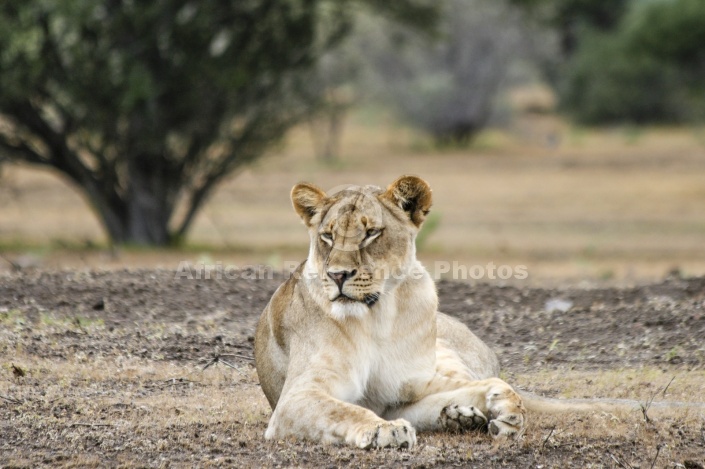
x=135 y=368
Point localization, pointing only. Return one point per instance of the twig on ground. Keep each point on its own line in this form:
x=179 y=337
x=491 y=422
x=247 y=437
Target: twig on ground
x=667 y=386
x=647 y=405
x=210 y=363
x=216 y=359
x=77 y=322
x=658 y=450
x=545 y=440
x=17 y=371
x=244 y=357
x=645 y=410
x=625 y=465
x=11 y=400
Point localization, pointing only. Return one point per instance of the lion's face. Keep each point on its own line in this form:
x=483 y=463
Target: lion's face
x=362 y=238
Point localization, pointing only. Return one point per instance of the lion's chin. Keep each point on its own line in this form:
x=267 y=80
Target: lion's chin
x=370 y=299
x=348 y=308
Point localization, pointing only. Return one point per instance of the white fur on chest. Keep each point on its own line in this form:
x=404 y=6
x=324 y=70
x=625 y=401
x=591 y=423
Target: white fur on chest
x=387 y=362
x=341 y=311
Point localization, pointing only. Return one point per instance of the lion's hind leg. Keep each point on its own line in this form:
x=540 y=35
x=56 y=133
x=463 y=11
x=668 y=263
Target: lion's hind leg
x=455 y=400
x=451 y=411
x=472 y=405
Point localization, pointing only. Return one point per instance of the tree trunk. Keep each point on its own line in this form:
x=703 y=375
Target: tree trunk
x=139 y=220
x=327 y=131
x=140 y=215
x=148 y=207
x=147 y=222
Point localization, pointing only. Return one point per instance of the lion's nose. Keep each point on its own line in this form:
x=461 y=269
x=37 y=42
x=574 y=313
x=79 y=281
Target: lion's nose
x=341 y=276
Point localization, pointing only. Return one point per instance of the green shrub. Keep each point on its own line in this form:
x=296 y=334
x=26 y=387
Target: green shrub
x=605 y=83
x=650 y=70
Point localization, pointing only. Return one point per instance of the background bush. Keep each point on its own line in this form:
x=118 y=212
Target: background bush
x=448 y=86
x=650 y=69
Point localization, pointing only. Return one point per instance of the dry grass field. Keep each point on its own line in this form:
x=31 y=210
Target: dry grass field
x=570 y=204
x=102 y=366
x=119 y=369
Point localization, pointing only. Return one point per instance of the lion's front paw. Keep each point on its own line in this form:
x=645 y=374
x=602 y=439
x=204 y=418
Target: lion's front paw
x=460 y=418
x=506 y=412
x=395 y=434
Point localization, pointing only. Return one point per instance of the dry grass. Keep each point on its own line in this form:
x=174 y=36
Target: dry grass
x=85 y=409
x=132 y=409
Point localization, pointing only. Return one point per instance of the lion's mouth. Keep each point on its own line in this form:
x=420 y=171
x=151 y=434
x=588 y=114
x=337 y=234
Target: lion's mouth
x=370 y=299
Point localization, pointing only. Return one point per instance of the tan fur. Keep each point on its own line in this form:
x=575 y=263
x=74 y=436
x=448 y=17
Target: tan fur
x=372 y=368
x=351 y=348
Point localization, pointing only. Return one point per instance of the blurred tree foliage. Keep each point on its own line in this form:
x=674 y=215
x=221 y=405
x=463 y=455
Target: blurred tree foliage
x=632 y=61
x=147 y=106
x=448 y=86
x=573 y=17
x=672 y=32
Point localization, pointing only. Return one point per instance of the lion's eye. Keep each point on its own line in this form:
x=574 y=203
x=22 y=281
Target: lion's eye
x=371 y=235
x=327 y=238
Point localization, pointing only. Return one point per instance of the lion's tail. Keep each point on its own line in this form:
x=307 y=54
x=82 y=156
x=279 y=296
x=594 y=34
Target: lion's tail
x=545 y=405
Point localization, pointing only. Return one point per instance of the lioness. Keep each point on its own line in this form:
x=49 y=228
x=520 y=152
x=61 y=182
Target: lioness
x=351 y=348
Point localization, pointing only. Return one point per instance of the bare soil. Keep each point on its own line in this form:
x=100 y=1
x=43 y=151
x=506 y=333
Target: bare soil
x=139 y=369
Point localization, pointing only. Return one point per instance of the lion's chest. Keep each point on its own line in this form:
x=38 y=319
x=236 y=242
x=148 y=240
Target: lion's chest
x=385 y=357
x=387 y=373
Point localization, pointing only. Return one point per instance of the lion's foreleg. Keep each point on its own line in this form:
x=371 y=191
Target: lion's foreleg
x=315 y=415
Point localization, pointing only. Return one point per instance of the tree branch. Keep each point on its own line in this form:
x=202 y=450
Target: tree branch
x=101 y=194
x=245 y=148
x=23 y=152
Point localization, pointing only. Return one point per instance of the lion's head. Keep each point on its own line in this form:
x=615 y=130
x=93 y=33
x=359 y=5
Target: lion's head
x=362 y=238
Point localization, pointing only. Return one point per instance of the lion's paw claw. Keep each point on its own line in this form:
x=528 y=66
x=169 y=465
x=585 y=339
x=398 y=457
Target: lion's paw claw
x=462 y=418
x=507 y=413
x=395 y=434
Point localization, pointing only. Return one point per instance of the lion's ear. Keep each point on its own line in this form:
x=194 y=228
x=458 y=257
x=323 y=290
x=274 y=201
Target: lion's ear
x=411 y=194
x=307 y=200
